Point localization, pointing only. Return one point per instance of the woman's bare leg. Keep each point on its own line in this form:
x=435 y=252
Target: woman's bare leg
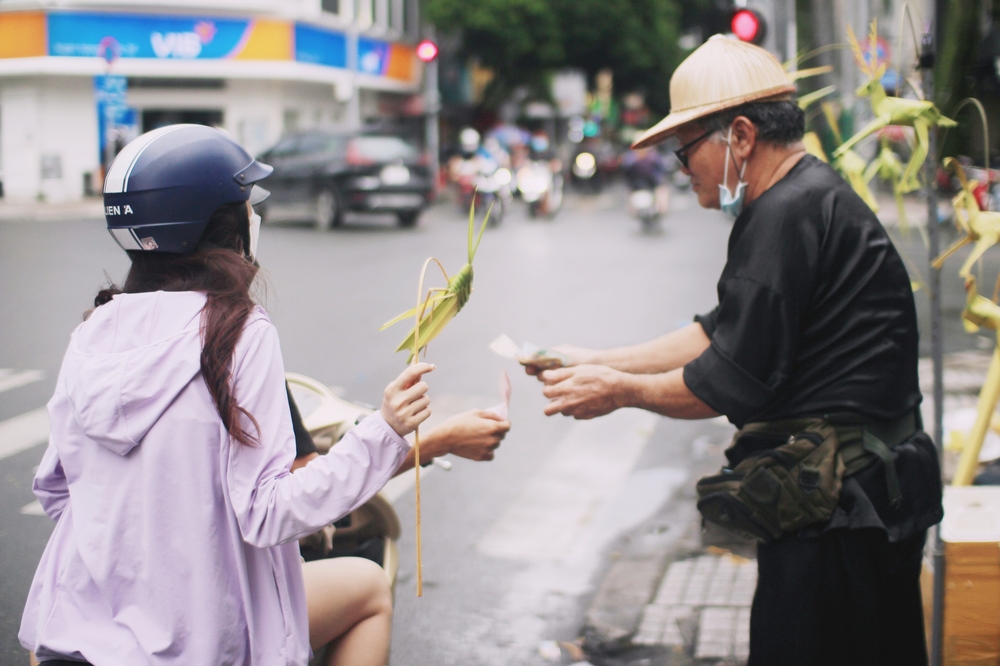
x=349 y=602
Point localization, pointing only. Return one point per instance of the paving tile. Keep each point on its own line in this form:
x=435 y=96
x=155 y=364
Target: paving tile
x=674 y=583
x=672 y=635
x=721 y=586
x=715 y=633
x=710 y=592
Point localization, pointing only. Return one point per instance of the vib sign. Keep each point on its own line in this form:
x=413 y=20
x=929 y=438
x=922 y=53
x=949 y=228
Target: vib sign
x=112 y=36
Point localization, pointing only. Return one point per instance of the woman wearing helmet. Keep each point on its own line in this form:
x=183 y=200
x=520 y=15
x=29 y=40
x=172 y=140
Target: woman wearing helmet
x=167 y=469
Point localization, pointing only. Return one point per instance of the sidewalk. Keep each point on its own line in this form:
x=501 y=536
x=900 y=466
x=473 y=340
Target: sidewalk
x=688 y=604
x=91 y=208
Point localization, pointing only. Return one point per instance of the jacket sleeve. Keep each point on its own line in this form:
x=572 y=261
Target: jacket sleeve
x=50 y=485
x=272 y=505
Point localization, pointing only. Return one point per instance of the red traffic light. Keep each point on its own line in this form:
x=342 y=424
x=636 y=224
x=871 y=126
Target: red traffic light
x=427 y=50
x=749 y=26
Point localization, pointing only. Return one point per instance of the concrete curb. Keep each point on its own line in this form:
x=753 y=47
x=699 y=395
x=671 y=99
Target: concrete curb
x=34 y=211
x=613 y=616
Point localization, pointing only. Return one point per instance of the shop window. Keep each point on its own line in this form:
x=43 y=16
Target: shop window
x=175 y=83
x=397 y=21
x=155 y=118
x=382 y=13
x=51 y=164
x=364 y=13
x=411 y=17
x=331 y=6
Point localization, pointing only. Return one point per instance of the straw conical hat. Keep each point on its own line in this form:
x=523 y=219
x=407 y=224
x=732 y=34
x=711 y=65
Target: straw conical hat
x=718 y=75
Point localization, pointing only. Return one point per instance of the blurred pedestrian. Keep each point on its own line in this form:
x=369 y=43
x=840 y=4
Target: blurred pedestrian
x=812 y=353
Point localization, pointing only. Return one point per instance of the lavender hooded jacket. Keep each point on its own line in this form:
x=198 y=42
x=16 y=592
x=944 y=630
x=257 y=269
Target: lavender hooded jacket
x=174 y=544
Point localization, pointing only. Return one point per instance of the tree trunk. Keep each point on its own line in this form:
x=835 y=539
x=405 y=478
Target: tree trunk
x=958 y=41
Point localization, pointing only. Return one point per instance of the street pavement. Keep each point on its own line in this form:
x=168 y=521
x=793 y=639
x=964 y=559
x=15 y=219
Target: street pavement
x=539 y=546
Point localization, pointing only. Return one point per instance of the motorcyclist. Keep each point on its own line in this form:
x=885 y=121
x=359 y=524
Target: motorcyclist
x=471 y=156
x=540 y=148
x=471 y=161
x=167 y=470
x=645 y=169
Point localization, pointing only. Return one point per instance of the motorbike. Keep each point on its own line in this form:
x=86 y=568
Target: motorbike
x=370 y=531
x=483 y=183
x=642 y=204
x=584 y=171
x=541 y=187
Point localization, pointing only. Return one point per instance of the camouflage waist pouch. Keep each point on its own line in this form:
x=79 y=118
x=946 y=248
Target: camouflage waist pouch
x=790 y=477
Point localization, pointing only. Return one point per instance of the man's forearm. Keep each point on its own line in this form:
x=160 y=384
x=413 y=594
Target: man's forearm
x=666 y=394
x=664 y=354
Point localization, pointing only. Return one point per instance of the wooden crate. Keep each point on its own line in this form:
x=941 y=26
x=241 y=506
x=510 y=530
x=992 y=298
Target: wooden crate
x=971 y=532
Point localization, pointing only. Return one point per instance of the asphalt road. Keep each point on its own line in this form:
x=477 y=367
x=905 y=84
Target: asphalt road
x=512 y=548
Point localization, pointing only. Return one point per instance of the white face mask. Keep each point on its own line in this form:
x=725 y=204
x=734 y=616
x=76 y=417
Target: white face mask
x=731 y=203
x=254 y=234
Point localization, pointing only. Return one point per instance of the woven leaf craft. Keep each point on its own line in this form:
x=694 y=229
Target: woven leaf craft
x=921 y=115
x=432 y=314
x=441 y=304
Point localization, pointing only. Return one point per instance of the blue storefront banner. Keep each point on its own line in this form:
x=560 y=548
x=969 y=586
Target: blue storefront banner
x=373 y=56
x=320 y=47
x=117 y=122
x=112 y=36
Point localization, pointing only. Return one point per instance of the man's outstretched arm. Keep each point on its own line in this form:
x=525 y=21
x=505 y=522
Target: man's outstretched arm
x=663 y=354
x=589 y=391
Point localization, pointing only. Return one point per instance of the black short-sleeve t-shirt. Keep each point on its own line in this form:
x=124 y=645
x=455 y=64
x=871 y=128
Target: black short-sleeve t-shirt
x=816 y=312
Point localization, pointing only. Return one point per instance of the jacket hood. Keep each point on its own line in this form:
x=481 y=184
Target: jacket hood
x=128 y=362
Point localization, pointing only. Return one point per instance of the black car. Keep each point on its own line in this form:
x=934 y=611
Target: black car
x=320 y=175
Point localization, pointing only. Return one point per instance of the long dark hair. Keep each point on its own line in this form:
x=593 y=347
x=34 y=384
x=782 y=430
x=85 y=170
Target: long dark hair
x=221 y=269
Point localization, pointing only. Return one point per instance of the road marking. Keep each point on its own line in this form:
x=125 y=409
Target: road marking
x=11 y=379
x=585 y=494
x=33 y=509
x=582 y=474
x=20 y=433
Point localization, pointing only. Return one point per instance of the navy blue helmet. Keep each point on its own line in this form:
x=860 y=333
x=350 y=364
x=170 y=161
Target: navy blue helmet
x=164 y=186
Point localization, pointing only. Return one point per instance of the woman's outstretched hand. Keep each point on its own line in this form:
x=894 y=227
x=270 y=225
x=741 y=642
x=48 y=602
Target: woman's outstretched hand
x=474 y=435
x=405 y=404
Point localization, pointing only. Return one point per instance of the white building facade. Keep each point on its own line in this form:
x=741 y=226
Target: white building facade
x=77 y=78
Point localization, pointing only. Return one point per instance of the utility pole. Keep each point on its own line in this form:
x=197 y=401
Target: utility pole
x=927 y=52
x=785 y=31
x=427 y=51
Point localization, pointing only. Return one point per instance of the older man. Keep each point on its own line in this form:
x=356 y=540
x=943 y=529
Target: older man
x=815 y=325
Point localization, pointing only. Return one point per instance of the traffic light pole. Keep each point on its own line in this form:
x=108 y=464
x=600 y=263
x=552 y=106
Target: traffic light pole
x=937 y=341
x=432 y=107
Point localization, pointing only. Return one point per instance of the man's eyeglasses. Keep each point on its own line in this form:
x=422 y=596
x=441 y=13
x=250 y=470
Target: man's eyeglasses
x=681 y=152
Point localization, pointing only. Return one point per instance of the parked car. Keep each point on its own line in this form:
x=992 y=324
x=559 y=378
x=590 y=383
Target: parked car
x=320 y=175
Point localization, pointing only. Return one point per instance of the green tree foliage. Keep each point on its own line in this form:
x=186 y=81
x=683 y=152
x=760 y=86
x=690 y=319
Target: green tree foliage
x=520 y=40
x=524 y=40
x=637 y=39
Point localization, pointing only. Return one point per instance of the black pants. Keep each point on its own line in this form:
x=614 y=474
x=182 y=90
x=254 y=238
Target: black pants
x=847 y=597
